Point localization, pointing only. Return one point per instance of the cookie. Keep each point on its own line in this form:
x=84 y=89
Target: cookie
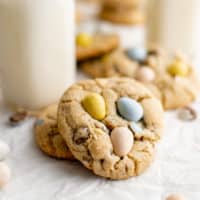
x=91 y=46
x=127 y=17
x=111 y=125
x=113 y=64
x=124 y=3
x=123 y=12
x=47 y=135
x=151 y=67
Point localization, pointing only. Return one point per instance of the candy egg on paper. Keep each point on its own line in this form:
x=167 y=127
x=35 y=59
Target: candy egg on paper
x=122 y=140
x=95 y=105
x=130 y=109
x=4 y=150
x=5 y=174
x=145 y=74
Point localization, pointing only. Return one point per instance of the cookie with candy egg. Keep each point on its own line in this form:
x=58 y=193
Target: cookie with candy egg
x=111 y=125
x=94 y=45
x=48 y=137
x=172 y=79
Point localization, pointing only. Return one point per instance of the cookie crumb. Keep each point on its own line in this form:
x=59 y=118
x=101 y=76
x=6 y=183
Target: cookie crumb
x=18 y=117
x=175 y=197
x=187 y=114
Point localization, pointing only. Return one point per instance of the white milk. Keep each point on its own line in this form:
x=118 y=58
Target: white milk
x=37 y=51
x=175 y=24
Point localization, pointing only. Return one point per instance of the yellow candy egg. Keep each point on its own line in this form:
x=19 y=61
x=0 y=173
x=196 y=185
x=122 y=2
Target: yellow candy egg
x=178 y=68
x=95 y=105
x=83 y=39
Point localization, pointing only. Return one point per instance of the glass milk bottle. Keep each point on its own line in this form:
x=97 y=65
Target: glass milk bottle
x=174 y=24
x=37 y=50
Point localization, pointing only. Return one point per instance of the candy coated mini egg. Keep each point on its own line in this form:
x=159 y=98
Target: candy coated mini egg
x=135 y=127
x=4 y=150
x=130 y=109
x=145 y=74
x=83 y=39
x=122 y=140
x=4 y=174
x=137 y=54
x=95 y=105
x=178 y=68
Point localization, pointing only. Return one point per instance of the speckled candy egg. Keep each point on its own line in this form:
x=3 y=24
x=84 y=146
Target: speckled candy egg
x=137 y=53
x=122 y=140
x=4 y=174
x=4 y=150
x=145 y=74
x=130 y=109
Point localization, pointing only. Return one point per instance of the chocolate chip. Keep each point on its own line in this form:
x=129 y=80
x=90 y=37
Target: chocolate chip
x=153 y=52
x=187 y=114
x=18 y=117
x=81 y=135
x=80 y=141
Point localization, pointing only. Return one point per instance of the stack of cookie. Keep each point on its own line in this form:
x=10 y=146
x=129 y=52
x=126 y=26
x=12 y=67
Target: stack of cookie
x=110 y=125
x=123 y=12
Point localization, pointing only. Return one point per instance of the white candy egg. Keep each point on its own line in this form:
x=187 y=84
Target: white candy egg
x=4 y=150
x=5 y=174
x=122 y=140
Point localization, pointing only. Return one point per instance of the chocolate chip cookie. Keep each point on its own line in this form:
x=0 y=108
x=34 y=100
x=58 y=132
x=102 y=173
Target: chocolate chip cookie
x=111 y=125
x=47 y=135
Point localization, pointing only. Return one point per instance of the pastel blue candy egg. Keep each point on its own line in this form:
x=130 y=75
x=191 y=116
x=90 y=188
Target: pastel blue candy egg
x=137 y=54
x=130 y=109
x=135 y=127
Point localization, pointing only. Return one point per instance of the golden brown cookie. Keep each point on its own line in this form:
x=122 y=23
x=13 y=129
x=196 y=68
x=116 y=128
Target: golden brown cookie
x=123 y=17
x=113 y=64
x=95 y=45
x=111 y=125
x=123 y=12
x=47 y=135
x=174 y=91
x=122 y=4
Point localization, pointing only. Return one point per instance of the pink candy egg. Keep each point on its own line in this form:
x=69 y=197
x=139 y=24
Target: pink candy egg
x=145 y=74
x=122 y=140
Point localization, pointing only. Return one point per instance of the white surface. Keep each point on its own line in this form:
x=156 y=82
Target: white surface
x=38 y=177
x=37 y=45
